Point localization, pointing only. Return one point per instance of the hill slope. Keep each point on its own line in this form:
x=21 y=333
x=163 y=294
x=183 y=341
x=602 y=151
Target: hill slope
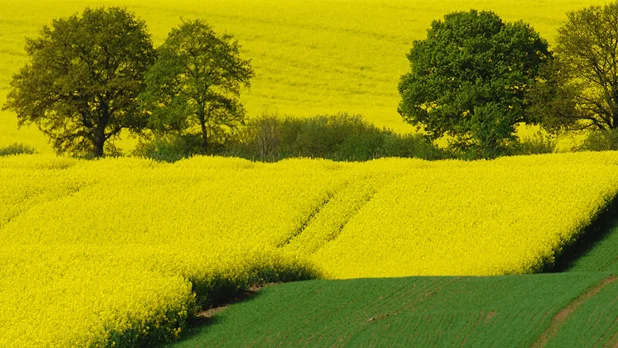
x=123 y=250
x=507 y=311
x=577 y=308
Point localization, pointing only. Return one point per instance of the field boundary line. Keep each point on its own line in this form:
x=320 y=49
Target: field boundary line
x=561 y=317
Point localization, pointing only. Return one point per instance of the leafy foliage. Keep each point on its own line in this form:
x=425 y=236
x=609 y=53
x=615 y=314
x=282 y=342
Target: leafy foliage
x=195 y=84
x=16 y=149
x=469 y=78
x=270 y=138
x=535 y=144
x=170 y=147
x=81 y=84
x=587 y=45
x=551 y=100
x=600 y=140
x=340 y=137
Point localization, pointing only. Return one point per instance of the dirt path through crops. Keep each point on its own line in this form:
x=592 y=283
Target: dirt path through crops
x=613 y=342
x=561 y=317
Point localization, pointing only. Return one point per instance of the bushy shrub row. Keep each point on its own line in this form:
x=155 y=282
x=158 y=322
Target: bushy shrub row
x=271 y=138
x=601 y=141
x=16 y=149
x=340 y=137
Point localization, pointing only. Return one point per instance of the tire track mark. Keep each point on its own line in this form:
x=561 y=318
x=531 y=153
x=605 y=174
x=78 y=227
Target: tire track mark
x=561 y=317
x=307 y=221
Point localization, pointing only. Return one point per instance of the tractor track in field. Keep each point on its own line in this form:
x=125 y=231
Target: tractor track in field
x=561 y=317
x=613 y=342
x=70 y=192
x=318 y=211
x=307 y=221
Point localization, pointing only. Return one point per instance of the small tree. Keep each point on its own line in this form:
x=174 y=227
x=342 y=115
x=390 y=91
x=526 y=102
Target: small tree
x=469 y=78
x=581 y=89
x=195 y=83
x=81 y=84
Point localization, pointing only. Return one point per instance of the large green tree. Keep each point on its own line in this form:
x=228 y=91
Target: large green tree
x=195 y=84
x=580 y=91
x=469 y=78
x=81 y=84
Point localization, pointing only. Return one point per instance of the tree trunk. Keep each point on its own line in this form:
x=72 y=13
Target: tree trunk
x=204 y=137
x=614 y=108
x=202 y=118
x=99 y=144
x=99 y=130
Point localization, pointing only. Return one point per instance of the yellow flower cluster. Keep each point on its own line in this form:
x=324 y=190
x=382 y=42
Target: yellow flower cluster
x=120 y=251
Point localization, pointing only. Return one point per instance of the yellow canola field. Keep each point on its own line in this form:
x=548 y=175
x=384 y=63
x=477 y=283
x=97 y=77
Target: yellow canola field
x=123 y=251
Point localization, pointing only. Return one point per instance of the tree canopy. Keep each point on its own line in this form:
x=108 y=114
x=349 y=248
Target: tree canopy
x=581 y=89
x=81 y=84
x=469 y=78
x=195 y=83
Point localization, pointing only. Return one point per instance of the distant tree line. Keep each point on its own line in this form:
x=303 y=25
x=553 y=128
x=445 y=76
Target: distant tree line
x=472 y=82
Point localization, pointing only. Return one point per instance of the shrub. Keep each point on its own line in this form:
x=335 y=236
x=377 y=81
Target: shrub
x=534 y=145
x=16 y=149
x=271 y=138
x=340 y=137
x=170 y=148
x=412 y=145
x=600 y=141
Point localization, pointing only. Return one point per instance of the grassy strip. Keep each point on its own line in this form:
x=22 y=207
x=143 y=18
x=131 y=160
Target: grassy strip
x=595 y=249
x=601 y=256
x=16 y=149
x=418 y=311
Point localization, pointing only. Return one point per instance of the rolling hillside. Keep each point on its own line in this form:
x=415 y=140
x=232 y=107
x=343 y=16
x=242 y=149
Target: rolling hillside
x=130 y=252
x=546 y=310
x=578 y=307
x=126 y=250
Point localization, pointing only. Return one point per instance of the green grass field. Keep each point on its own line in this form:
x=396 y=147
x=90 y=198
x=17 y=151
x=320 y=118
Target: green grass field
x=602 y=257
x=508 y=311
x=310 y=57
x=595 y=322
